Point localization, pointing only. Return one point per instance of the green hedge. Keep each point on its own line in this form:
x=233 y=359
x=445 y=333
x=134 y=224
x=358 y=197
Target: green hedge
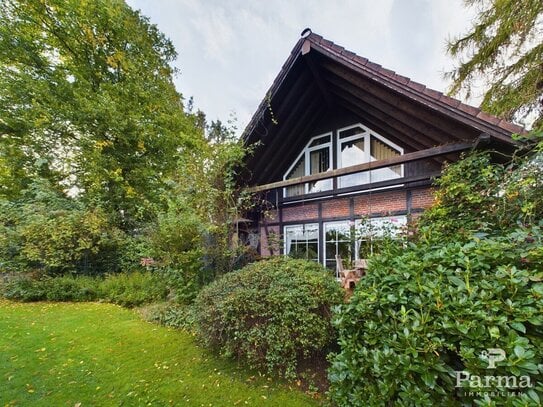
x=424 y=313
x=272 y=313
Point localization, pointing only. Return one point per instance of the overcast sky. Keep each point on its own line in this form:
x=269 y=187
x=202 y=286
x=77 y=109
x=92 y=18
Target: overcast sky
x=231 y=50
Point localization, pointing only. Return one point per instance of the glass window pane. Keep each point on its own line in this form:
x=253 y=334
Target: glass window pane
x=344 y=251
x=352 y=153
x=376 y=228
x=302 y=241
x=382 y=151
x=319 y=141
x=338 y=242
x=351 y=132
x=319 y=161
x=297 y=171
x=330 y=250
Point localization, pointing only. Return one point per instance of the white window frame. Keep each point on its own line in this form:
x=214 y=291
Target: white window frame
x=304 y=225
x=350 y=225
x=306 y=152
x=402 y=220
x=365 y=133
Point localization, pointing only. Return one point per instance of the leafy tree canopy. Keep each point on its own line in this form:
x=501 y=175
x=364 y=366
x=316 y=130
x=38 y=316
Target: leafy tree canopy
x=87 y=101
x=504 y=51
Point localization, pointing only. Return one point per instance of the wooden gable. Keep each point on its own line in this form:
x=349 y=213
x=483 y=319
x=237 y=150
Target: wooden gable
x=323 y=87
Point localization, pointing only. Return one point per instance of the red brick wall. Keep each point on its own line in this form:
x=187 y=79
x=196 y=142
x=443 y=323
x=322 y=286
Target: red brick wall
x=422 y=198
x=300 y=212
x=336 y=208
x=380 y=202
x=383 y=203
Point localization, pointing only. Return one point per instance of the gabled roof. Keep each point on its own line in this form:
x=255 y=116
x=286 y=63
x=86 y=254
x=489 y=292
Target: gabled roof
x=320 y=76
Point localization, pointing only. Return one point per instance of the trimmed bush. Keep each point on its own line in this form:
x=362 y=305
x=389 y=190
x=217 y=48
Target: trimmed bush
x=424 y=313
x=272 y=313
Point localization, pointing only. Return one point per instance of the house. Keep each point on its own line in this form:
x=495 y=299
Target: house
x=341 y=140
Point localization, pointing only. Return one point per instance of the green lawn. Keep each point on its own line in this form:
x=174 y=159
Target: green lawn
x=88 y=354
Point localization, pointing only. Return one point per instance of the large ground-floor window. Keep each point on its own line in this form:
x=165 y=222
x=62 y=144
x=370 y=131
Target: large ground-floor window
x=302 y=241
x=369 y=232
x=349 y=240
x=339 y=240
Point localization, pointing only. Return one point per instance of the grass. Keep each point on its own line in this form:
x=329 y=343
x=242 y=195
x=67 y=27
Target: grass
x=83 y=354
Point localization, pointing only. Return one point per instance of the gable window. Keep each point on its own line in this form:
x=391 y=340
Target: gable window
x=302 y=241
x=315 y=158
x=357 y=145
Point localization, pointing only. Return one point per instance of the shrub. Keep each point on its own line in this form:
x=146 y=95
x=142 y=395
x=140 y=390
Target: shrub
x=127 y=289
x=65 y=288
x=425 y=312
x=182 y=288
x=271 y=313
x=133 y=289
x=69 y=288
x=170 y=314
x=48 y=231
x=23 y=288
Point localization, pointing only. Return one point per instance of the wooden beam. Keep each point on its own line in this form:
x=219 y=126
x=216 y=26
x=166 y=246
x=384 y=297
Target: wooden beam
x=401 y=159
x=456 y=115
x=393 y=129
x=295 y=122
x=318 y=79
x=284 y=108
x=363 y=187
x=392 y=106
x=388 y=126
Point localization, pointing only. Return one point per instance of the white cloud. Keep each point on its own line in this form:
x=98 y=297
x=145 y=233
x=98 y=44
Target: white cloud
x=230 y=51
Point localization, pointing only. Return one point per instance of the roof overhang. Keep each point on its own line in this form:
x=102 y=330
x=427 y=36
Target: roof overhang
x=319 y=77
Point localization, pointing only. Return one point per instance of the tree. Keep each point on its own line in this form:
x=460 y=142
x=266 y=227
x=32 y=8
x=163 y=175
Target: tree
x=87 y=101
x=504 y=50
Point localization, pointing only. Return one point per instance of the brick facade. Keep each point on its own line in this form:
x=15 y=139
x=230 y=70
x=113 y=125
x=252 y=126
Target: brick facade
x=376 y=204
x=384 y=203
x=422 y=198
x=298 y=212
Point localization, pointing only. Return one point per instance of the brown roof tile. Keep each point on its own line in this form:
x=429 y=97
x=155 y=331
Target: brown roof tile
x=469 y=109
x=348 y=54
x=513 y=128
x=433 y=93
x=416 y=86
x=324 y=42
x=486 y=117
x=388 y=72
x=402 y=79
x=360 y=60
x=374 y=66
x=449 y=100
